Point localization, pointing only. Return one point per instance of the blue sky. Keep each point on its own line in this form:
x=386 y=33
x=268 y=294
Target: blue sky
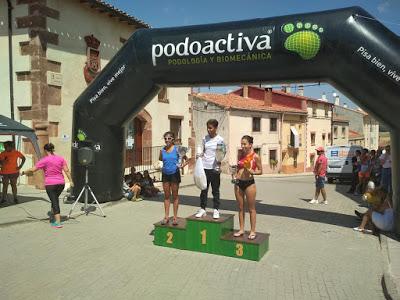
x=171 y=13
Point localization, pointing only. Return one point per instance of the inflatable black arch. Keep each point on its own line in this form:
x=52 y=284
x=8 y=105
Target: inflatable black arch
x=346 y=48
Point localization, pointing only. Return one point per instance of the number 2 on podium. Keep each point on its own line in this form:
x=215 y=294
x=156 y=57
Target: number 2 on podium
x=170 y=235
x=203 y=236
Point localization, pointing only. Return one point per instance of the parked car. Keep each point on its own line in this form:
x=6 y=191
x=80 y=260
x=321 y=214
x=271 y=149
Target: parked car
x=339 y=162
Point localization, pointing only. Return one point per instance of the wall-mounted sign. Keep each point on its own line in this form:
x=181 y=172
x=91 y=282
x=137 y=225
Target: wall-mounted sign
x=65 y=137
x=54 y=78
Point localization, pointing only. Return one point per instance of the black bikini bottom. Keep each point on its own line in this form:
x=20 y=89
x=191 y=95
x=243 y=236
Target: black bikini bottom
x=244 y=184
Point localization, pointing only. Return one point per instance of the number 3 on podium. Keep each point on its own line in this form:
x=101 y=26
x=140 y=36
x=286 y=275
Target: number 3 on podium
x=170 y=235
x=239 y=249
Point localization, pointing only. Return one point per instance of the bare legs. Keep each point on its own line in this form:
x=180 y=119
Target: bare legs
x=171 y=188
x=323 y=194
x=250 y=195
x=240 y=201
x=251 y=203
x=317 y=192
x=367 y=216
x=136 y=189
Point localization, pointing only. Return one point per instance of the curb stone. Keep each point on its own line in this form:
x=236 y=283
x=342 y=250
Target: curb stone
x=391 y=256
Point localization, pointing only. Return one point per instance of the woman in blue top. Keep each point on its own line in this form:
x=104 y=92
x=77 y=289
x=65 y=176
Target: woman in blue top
x=171 y=176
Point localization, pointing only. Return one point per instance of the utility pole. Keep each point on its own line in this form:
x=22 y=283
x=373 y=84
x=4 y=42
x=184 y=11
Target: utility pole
x=10 y=58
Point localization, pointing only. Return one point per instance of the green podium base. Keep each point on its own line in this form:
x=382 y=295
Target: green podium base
x=242 y=247
x=211 y=236
x=169 y=235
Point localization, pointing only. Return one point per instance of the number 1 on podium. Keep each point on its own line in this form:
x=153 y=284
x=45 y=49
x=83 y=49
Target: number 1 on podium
x=203 y=236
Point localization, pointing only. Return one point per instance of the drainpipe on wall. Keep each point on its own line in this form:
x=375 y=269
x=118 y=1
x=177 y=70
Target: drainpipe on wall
x=280 y=168
x=10 y=58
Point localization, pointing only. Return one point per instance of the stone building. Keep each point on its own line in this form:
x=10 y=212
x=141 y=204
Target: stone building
x=52 y=50
x=363 y=129
x=341 y=133
x=276 y=124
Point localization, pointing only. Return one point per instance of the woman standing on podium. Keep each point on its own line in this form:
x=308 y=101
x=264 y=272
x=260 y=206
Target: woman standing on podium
x=249 y=164
x=171 y=176
x=53 y=166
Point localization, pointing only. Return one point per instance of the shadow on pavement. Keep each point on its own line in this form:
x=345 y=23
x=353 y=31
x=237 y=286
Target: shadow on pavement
x=21 y=199
x=311 y=215
x=391 y=235
x=343 y=187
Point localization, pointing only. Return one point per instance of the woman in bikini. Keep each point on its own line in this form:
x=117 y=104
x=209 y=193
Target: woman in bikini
x=249 y=164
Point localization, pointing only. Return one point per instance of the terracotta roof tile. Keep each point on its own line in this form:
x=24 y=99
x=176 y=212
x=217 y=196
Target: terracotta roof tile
x=301 y=97
x=294 y=96
x=355 y=134
x=233 y=101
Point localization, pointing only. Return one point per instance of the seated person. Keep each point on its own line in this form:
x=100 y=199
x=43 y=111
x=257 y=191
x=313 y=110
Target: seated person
x=126 y=191
x=130 y=177
x=380 y=214
x=136 y=187
x=148 y=188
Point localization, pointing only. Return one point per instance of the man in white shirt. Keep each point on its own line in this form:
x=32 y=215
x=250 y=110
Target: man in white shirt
x=386 y=162
x=211 y=168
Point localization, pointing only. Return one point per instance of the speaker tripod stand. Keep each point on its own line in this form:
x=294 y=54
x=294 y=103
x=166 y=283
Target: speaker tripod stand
x=85 y=191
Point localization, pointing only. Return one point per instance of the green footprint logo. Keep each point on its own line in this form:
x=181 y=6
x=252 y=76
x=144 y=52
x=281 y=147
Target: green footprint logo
x=81 y=136
x=304 y=39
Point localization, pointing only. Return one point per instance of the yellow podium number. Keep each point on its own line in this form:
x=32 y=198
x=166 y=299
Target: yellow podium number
x=203 y=236
x=239 y=249
x=170 y=235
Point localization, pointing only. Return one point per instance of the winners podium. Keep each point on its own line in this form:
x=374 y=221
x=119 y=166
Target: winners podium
x=211 y=236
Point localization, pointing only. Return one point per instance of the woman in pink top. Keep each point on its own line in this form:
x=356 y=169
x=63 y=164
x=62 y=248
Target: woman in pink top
x=53 y=166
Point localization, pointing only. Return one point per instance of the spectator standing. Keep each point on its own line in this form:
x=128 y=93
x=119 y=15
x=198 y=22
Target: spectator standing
x=376 y=168
x=355 y=161
x=10 y=169
x=364 y=172
x=386 y=161
x=320 y=173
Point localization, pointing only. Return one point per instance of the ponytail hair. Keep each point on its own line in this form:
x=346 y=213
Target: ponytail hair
x=49 y=147
x=248 y=138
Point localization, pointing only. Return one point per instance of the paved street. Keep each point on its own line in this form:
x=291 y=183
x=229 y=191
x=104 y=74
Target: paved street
x=314 y=253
